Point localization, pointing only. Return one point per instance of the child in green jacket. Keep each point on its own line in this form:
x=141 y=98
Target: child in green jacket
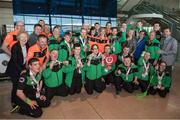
x=76 y=63
x=161 y=81
x=126 y=76
x=145 y=71
x=53 y=77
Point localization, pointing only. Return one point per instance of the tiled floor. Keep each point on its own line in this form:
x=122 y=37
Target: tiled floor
x=104 y=106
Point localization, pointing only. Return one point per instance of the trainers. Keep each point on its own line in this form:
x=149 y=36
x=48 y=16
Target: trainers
x=15 y=109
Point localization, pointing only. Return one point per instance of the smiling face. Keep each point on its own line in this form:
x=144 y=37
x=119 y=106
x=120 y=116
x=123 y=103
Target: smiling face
x=109 y=25
x=23 y=37
x=114 y=31
x=42 y=42
x=167 y=32
x=127 y=61
x=77 y=51
x=20 y=26
x=56 y=32
x=126 y=50
x=156 y=27
x=67 y=38
x=107 y=49
x=147 y=56
x=152 y=35
x=37 y=30
x=95 y=49
x=54 y=55
x=83 y=32
x=35 y=67
x=131 y=32
x=162 y=66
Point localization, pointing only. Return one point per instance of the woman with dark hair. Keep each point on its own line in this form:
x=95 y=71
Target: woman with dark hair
x=94 y=71
x=91 y=37
x=17 y=62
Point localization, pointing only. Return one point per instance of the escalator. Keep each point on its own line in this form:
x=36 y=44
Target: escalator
x=146 y=8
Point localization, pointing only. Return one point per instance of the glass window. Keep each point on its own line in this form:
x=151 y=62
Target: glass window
x=76 y=16
x=66 y=21
x=53 y=20
x=30 y=20
x=95 y=20
x=59 y=21
x=104 y=18
x=103 y=23
x=18 y=18
x=29 y=28
x=87 y=21
x=114 y=23
x=98 y=18
x=66 y=27
x=77 y=22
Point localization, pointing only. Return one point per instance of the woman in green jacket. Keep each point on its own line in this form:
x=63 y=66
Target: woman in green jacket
x=94 y=71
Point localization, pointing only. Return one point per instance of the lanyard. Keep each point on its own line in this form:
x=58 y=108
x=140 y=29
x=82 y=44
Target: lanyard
x=160 y=79
x=39 y=84
x=69 y=47
x=78 y=62
x=146 y=67
x=82 y=41
x=123 y=56
x=127 y=73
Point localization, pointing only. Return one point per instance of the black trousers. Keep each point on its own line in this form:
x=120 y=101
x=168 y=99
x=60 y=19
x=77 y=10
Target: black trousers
x=98 y=85
x=162 y=93
x=76 y=83
x=61 y=90
x=120 y=83
x=143 y=85
x=14 y=79
x=27 y=110
x=169 y=69
x=109 y=78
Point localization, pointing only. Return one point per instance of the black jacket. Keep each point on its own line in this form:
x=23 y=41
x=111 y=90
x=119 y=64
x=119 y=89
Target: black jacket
x=16 y=63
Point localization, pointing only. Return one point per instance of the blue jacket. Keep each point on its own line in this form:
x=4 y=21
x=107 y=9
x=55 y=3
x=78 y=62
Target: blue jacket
x=140 y=46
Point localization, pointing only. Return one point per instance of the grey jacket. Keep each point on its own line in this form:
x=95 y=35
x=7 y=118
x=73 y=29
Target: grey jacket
x=32 y=39
x=169 y=50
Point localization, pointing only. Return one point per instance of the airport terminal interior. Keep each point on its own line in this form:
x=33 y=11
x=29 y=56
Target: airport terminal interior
x=114 y=97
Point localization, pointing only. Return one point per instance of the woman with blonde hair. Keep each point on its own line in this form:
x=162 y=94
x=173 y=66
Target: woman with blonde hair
x=17 y=62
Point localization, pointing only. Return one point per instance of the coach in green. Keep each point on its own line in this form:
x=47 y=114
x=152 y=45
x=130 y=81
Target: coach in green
x=55 y=39
x=153 y=46
x=115 y=42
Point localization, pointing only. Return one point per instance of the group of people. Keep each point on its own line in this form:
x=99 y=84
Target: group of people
x=45 y=64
